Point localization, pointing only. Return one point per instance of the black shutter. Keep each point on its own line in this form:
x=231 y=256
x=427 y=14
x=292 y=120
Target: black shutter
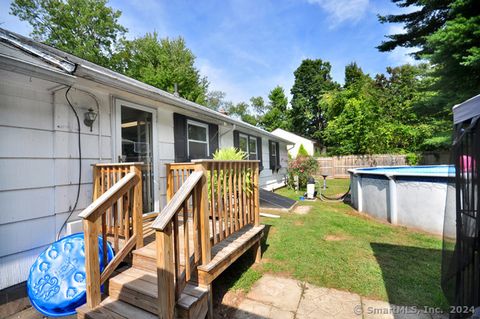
x=277 y=145
x=259 y=152
x=236 y=139
x=180 y=137
x=213 y=138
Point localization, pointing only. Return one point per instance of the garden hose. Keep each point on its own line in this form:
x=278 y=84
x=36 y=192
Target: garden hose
x=325 y=198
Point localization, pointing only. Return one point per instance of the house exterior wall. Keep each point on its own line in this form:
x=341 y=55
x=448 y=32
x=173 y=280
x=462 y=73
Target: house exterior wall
x=39 y=167
x=39 y=160
x=296 y=142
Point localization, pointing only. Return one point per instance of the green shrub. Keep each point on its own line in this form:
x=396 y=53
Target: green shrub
x=303 y=167
x=229 y=154
x=302 y=152
x=412 y=158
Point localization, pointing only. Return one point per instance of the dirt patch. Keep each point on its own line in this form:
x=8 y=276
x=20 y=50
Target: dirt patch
x=298 y=223
x=335 y=237
x=302 y=210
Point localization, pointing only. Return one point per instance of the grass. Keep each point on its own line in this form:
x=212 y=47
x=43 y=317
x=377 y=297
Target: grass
x=333 y=246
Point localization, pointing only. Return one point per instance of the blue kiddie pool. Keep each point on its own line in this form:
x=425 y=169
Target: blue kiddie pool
x=56 y=283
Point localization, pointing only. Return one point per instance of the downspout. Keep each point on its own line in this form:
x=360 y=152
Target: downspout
x=234 y=126
x=392 y=199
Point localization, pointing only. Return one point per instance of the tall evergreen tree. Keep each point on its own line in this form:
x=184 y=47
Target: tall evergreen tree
x=445 y=32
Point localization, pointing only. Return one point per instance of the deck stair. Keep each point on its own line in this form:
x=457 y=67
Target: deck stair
x=211 y=219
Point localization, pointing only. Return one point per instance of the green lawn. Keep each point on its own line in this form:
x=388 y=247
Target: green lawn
x=335 y=247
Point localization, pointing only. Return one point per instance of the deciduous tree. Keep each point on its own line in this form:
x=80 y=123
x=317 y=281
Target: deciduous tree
x=163 y=63
x=88 y=29
x=312 y=80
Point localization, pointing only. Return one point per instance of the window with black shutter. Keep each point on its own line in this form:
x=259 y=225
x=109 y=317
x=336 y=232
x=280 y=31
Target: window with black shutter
x=251 y=145
x=193 y=139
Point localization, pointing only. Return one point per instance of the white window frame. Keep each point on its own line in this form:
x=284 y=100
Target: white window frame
x=256 y=147
x=274 y=148
x=241 y=135
x=199 y=124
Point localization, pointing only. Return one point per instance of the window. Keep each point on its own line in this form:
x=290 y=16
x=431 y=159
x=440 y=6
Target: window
x=197 y=140
x=273 y=148
x=248 y=144
x=252 y=148
x=243 y=143
x=251 y=145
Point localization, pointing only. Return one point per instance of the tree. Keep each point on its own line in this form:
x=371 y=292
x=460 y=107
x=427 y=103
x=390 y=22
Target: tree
x=353 y=74
x=277 y=115
x=215 y=100
x=446 y=34
x=258 y=105
x=242 y=111
x=418 y=24
x=312 y=80
x=302 y=152
x=163 y=63
x=88 y=29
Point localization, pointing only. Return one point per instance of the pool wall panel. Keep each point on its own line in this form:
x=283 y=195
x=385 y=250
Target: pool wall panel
x=420 y=202
x=377 y=191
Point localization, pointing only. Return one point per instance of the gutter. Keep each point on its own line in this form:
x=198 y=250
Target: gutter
x=12 y=64
x=11 y=39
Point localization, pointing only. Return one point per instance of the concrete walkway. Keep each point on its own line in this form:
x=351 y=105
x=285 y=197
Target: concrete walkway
x=283 y=298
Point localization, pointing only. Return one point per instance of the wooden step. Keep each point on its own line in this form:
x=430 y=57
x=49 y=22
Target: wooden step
x=139 y=287
x=227 y=251
x=146 y=258
x=114 y=309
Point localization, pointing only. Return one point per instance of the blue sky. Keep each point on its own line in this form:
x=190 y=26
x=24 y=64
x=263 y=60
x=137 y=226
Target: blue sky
x=246 y=48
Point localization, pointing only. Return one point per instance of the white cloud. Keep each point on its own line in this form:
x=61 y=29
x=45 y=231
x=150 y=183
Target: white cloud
x=343 y=10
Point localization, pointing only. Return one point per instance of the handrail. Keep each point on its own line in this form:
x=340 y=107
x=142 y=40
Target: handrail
x=209 y=201
x=108 y=198
x=120 y=208
x=177 y=200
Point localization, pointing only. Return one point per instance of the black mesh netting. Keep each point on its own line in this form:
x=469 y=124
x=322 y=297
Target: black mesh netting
x=460 y=258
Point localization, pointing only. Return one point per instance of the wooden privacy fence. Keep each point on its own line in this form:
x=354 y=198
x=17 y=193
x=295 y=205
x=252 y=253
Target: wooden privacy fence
x=338 y=166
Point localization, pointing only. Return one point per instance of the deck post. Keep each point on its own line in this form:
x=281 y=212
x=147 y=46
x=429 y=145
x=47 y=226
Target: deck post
x=165 y=273
x=137 y=215
x=169 y=182
x=256 y=194
x=92 y=265
x=202 y=201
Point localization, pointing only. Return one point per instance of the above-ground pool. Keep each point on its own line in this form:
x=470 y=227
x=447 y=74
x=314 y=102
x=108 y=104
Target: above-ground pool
x=413 y=196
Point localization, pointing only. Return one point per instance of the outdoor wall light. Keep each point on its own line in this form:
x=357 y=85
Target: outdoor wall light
x=90 y=117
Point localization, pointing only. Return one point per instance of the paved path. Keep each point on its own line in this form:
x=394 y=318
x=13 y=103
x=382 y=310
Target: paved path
x=283 y=298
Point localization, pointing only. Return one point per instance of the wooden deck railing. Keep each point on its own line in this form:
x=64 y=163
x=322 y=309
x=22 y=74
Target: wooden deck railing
x=116 y=211
x=105 y=175
x=212 y=198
